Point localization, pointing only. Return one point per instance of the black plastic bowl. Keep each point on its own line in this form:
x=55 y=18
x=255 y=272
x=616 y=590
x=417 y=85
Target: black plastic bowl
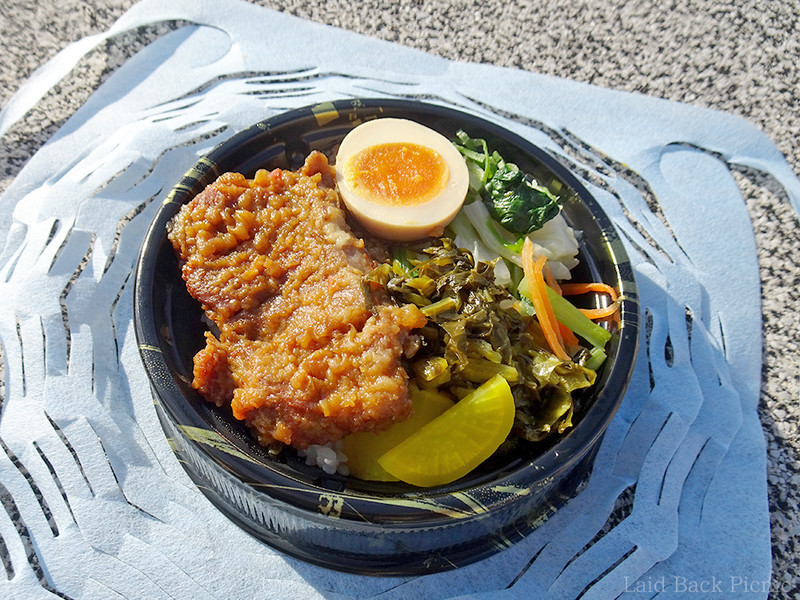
x=340 y=522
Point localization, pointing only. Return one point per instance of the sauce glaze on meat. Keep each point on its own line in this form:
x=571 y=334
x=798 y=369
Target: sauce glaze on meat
x=305 y=354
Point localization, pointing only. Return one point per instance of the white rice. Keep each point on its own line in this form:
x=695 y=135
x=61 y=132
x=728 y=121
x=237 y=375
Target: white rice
x=328 y=457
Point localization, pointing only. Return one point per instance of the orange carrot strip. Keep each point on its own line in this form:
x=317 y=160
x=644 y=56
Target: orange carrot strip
x=567 y=335
x=544 y=312
x=550 y=280
x=601 y=313
x=574 y=289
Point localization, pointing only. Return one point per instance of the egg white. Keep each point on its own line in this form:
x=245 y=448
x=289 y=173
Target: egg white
x=402 y=223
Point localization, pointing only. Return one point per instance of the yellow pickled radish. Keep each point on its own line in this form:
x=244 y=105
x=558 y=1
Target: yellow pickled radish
x=461 y=438
x=365 y=448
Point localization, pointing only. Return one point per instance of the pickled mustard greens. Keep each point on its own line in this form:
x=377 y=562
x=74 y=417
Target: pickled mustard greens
x=476 y=330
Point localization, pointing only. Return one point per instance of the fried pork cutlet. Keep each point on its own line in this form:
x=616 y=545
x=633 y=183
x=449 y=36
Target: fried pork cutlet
x=305 y=354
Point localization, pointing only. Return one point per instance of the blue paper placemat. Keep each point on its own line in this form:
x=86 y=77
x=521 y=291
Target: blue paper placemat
x=97 y=506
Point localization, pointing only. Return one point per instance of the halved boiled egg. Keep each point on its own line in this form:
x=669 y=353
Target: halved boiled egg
x=402 y=181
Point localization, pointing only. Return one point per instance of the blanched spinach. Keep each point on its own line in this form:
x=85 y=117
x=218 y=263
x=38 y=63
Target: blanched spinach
x=519 y=205
x=513 y=199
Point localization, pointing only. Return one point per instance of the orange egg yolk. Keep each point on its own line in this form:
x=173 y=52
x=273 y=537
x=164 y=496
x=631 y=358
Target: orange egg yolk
x=398 y=174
